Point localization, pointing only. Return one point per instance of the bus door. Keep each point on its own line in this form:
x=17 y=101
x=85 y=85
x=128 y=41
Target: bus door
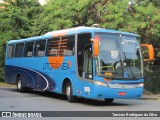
x=84 y=60
x=87 y=68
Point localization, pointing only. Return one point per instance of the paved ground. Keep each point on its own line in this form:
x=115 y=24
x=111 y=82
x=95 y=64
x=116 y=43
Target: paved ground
x=146 y=96
x=11 y=100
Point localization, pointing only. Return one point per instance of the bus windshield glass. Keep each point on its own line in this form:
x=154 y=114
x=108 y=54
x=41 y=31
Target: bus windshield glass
x=119 y=56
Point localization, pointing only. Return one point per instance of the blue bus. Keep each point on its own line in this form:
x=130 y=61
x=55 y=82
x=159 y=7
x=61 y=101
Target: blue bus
x=83 y=62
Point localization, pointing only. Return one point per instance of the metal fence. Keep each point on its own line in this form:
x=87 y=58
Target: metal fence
x=152 y=78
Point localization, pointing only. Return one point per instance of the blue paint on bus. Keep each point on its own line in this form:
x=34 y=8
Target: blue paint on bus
x=61 y=60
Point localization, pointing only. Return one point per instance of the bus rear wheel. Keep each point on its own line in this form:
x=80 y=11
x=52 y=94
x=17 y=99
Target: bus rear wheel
x=108 y=101
x=20 y=88
x=69 y=92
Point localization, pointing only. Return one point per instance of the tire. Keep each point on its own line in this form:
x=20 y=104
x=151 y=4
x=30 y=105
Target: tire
x=69 y=92
x=20 y=88
x=108 y=101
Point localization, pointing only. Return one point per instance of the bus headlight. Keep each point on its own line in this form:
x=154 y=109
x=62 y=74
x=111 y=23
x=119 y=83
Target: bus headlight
x=100 y=83
x=140 y=85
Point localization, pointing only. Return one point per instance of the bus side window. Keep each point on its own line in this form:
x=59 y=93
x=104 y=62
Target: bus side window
x=61 y=46
x=28 y=52
x=19 y=50
x=40 y=48
x=52 y=49
x=10 y=51
x=70 y=46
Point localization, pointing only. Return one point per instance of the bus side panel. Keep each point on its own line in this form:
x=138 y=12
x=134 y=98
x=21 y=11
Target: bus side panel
x=30 y=78
x=10 y=75
x=77 y=85
x=60 y=77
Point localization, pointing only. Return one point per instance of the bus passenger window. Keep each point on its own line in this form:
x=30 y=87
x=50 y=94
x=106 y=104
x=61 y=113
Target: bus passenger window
x=70 y=46
x=40 y=48
x=61 y=46
x=52 y=49
x=28 y=49
x=19 y=50
x=10 y=53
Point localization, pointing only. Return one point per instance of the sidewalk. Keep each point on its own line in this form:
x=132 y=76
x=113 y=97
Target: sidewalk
x=149 y=96
x=5 y=85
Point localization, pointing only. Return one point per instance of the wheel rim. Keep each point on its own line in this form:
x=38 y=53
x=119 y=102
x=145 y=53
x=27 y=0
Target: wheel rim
x=68 y=90
x=19 y=84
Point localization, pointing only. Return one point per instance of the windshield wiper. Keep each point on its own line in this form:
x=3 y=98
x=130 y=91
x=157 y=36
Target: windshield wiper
x=133 y=74
x=125 y=60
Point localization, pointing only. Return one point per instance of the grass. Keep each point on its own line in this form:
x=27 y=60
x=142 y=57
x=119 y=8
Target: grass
x=3 y=84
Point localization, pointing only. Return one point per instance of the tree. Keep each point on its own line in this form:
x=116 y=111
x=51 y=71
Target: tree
x=136 y=16
x=59 y=14
x=25 y=18
x=147 y=19
x=17 y=20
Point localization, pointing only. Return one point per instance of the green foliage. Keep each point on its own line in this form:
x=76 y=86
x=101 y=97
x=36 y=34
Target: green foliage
x=137 y=16
x=26 y=18
x=59 y=14
x=115 y=15
x=63 y=14
x=17 y=20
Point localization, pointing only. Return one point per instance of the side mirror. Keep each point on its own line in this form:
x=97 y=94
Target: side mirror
x=95 y=47
x=148 y=52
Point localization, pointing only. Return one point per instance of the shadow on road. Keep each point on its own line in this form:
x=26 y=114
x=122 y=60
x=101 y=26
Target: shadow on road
x=90 y=102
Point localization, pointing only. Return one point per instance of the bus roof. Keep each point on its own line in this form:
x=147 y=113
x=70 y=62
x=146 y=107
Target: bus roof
x=82 y=29
x=70 y=31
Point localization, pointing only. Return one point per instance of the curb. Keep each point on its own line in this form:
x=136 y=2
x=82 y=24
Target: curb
x=150 y=97
x=5 y=85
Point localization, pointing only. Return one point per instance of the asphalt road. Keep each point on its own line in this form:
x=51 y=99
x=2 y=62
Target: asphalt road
x=12 y=100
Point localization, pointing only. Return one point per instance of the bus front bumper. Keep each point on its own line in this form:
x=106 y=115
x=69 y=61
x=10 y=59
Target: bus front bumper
x=100 y=92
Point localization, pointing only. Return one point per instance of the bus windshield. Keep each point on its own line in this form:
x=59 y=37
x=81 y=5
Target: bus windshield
x=119 y=56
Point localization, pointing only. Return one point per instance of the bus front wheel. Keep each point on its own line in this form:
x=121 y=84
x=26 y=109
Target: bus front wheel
x=69 y=92
x=19 y=85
